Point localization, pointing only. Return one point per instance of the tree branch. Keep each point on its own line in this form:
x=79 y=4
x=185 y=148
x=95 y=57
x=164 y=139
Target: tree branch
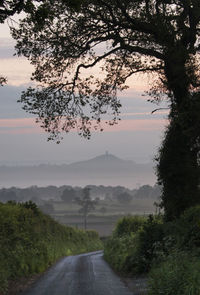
x=95 y=62
x=159 y=110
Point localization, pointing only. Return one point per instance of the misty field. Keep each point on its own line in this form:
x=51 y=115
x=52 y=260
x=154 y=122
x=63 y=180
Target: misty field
x=103 y=221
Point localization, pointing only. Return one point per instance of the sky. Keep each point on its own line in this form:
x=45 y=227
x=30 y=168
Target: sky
x=137 y=137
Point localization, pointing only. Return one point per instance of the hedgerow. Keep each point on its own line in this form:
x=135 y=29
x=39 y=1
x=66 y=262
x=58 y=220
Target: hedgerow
x=30 y=241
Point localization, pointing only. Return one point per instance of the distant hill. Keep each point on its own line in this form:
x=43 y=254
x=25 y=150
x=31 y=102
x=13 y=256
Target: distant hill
x=106 y=169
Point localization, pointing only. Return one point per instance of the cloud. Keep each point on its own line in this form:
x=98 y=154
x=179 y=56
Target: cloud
x=145 y=114
x=135 y=114
x=15 y=123
x=29 y=126
x=134 y=106
x=19 y=126
x=137 y=125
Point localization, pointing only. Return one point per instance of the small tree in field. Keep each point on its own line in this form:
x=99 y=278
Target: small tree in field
x=87 y=205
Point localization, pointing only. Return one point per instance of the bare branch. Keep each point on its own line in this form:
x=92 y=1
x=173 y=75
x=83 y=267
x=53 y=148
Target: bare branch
x=159 y=110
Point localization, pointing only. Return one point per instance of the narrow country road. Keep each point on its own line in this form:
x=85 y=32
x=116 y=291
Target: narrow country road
x=86 y=274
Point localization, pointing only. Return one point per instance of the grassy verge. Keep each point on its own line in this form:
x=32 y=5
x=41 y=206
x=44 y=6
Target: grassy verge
x=31 y=241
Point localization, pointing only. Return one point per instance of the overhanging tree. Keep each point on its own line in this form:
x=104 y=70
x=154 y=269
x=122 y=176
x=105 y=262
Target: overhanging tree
x=148 y=36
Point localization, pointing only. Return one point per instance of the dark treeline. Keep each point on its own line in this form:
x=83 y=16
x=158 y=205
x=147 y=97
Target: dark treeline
x=68 y=193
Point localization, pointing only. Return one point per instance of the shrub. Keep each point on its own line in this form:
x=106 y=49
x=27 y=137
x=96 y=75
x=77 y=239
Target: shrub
x=188 y=229
x=151 y=235
x=148 y=243
x=134 y=250
x=138 y=247
x=178 y=275
x=129 y=224
x=117 y=249
x=123 y=244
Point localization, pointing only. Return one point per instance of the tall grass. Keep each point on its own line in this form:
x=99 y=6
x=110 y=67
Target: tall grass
x=178 y=274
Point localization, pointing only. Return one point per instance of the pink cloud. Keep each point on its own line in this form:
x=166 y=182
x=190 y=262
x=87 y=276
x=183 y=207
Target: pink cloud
x=21 y=122
x=28 y=126
x=137 y=125
x=19 y=126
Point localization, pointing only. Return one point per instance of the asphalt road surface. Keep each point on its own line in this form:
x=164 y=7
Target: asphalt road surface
x=86 y=274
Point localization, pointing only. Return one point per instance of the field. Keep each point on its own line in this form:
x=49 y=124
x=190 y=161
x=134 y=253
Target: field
x=101 y=220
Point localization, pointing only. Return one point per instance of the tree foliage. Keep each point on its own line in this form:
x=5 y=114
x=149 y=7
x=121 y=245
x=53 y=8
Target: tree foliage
x=39 y=7
x=123 y=38
x=10 y=8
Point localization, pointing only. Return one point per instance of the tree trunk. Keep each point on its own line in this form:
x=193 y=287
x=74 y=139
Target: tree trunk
x=85 y=222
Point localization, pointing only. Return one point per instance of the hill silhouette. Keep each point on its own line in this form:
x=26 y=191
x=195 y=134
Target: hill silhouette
x=105 y=169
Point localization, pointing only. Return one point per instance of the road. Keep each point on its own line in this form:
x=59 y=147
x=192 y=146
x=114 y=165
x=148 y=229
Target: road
x=86 y=274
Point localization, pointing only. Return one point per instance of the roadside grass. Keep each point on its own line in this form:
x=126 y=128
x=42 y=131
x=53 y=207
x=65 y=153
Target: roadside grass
x=178 y=274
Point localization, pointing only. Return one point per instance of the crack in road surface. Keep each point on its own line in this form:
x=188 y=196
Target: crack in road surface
x=86 y=274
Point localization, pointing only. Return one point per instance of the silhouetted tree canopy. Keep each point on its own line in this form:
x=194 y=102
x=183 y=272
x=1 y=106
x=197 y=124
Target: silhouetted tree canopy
x=123 y=38
x=10 y=8
x=38 y=7
x=136 y=36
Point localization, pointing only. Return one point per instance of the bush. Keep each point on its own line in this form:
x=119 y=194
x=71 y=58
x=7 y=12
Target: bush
x=151 y=235
x=188 y=229
x=117 y=249
x=178 y=275
x=133 y=250
x=136 y=248
x=123 y=244
x=129 y=224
